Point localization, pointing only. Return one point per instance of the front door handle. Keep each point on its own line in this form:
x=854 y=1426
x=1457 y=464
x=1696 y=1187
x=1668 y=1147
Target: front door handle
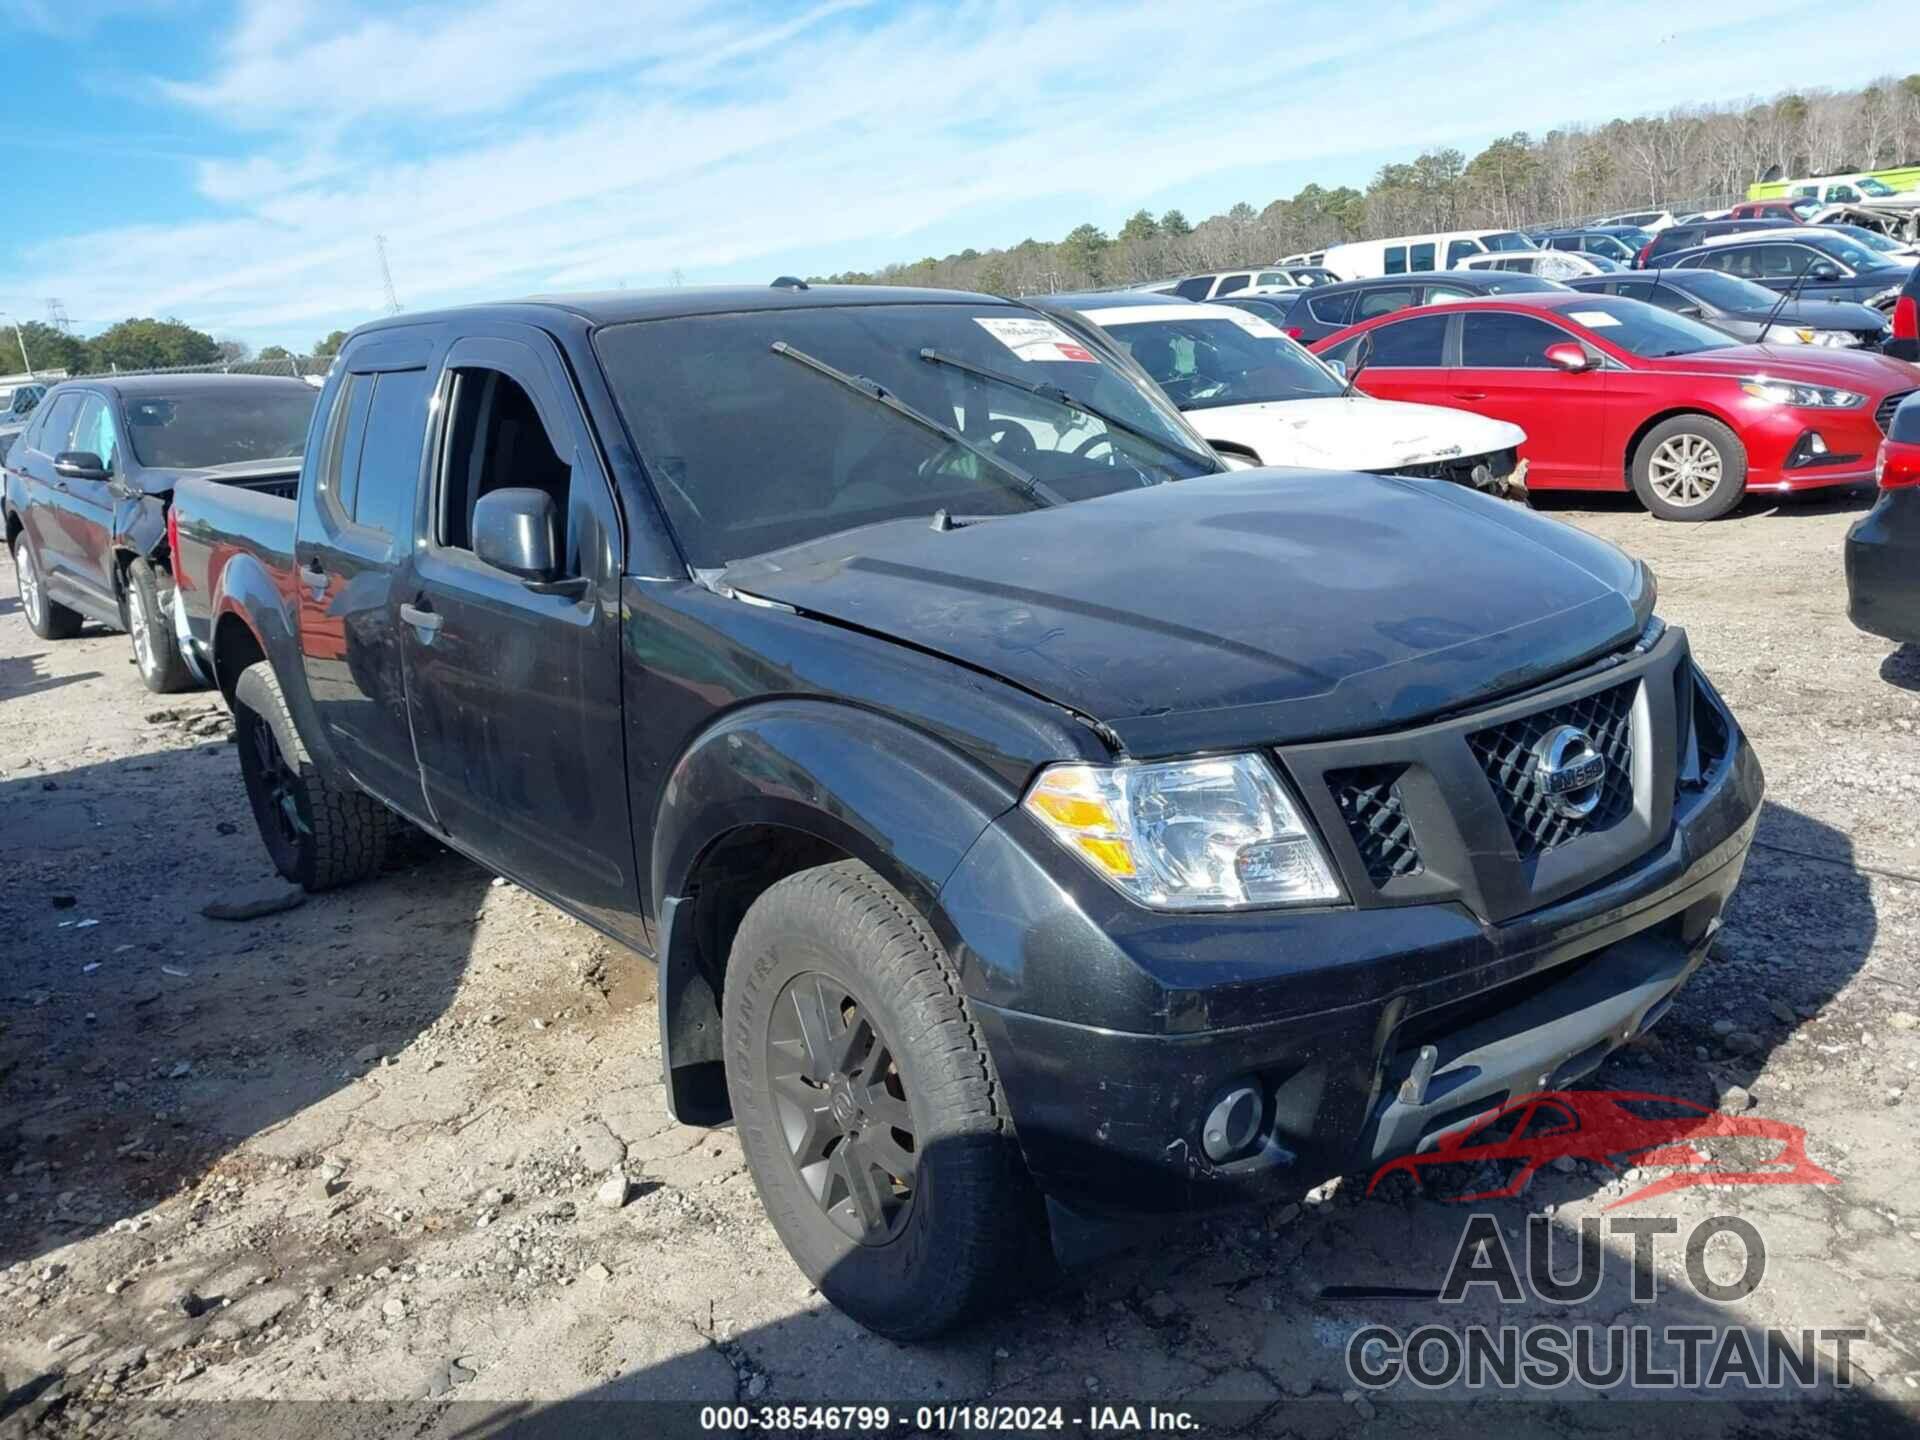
x=1469 y=394
x=424 y=621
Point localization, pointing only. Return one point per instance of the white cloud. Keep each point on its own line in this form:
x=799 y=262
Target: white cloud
x=504 y=148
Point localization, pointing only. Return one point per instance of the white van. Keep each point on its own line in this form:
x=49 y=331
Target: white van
x=1409 y=254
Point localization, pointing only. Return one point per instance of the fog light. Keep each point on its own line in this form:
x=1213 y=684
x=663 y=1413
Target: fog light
x=1817 y=445
x=1233 y=1122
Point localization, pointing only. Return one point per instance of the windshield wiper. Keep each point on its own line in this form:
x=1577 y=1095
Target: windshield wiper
x=880 y=395
x=1061 y=398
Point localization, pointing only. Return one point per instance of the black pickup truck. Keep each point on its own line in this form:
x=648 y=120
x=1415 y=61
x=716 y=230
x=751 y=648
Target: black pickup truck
x=1033 y=826
x=87 y=484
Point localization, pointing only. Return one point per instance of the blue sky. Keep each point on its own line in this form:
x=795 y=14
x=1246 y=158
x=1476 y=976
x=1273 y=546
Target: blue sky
x=231 y=164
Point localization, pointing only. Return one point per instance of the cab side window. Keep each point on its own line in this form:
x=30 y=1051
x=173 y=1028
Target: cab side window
x=390 y=453
x=496 y=440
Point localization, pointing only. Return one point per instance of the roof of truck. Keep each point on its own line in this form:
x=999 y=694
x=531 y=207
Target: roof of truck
x=173 y=385
x=612 y=307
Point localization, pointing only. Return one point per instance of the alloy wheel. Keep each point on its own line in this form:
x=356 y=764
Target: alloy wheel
x=29 y=580
x=1685 y=470
x=841 y=1107
x=142 y=628
x=279 y=783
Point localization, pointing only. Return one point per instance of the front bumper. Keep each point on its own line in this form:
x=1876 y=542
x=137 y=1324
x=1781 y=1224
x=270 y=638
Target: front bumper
x=1776 y=463
x=1883 y=567
x=1324 y=1013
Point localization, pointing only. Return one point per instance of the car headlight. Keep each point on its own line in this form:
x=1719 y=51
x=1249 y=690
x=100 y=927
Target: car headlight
x=1803 y=397
x=1216 y=834
x=1833 y=339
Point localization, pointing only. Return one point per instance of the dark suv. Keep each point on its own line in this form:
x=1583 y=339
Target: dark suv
x=1326 y=309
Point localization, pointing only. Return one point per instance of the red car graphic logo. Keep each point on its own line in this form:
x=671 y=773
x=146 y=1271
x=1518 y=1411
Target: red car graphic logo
x=1617 y=1129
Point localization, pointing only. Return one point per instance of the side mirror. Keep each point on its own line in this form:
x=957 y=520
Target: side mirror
x=1338 y=367
x=1692 y=312
x=1569 y=357
x=518 y=531
x=80 y=465
x=1827 y=271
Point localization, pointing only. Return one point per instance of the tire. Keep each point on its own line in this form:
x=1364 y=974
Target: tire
x=1690 y=468
x=836 y=942
x=156 y=650
x=48 y=619
x=320 y=833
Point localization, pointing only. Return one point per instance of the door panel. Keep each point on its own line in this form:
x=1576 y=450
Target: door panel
x=515 y=694
x=1504 y=374
x=1408 y=359
x=86 y=508
x=42 y=519
x=345 y=573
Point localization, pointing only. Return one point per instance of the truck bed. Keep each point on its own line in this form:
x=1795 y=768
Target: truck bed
x=217 y=520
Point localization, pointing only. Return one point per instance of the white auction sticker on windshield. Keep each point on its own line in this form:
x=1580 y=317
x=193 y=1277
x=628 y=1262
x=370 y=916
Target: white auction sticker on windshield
x=1036 y=339
x=1252 y=324
x=1593 y=319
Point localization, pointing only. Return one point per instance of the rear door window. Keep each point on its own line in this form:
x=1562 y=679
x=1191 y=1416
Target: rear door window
x=1396 y=262
x=1331 y=309
x=390 y=453
x=1418 y=343
x=340 y=452
x=1420 y=257
x=1384 y=301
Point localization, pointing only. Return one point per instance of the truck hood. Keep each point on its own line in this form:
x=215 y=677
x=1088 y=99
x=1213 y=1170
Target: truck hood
x=1354 y=432
x=1253 y=608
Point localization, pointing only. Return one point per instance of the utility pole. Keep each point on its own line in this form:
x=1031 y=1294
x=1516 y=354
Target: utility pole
x=386 y=274
x=21 y=339
x=57 y=316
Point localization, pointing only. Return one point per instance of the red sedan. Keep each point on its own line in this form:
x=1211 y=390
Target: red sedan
x=1617 y=394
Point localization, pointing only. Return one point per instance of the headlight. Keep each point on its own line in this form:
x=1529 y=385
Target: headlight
x=1213 y=834
x=1833 y=339
x=1803 y=397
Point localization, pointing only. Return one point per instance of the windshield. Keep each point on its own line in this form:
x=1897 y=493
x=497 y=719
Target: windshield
x=750 y=451
x=1642 y=329
x=1847 y=252
x=198 y=430
x=1870 y=186
x=1728 y=292
x=1203 y=358
x=1872 y=239
x=1314 y=275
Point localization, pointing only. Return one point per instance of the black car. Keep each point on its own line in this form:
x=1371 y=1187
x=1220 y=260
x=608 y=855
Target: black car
x=1325 y=309
x=1693 y=234
x=87 y=487
x=1883 y=547
x=1017 y=804
x=1816 y=267
x=1744 y=310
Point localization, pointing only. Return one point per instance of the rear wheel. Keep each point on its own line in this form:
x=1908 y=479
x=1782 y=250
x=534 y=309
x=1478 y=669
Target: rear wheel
x=868 y=1106
x=1690 y=468
x=320 y=834
x=155 y=649
x=47 y=619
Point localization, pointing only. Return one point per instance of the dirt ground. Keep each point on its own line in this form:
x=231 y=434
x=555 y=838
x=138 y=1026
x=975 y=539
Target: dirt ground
x=359 y=1150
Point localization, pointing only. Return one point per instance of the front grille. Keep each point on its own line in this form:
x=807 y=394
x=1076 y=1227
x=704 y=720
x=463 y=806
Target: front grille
x=1506 y=753
x=1369 y=801
x=1500 y=464
x=1883 y=412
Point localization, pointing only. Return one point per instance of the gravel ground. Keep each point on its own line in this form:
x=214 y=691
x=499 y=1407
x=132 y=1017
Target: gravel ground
x=361 y=1149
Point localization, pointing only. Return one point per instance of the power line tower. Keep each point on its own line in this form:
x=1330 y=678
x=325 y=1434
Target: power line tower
x=57 y=316
x=386 y=274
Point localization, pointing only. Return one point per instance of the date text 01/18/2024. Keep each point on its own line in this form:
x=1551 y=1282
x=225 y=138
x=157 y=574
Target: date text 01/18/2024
x=948 y=1419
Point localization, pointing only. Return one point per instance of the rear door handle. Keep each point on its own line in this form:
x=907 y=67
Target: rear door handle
x=425 y=621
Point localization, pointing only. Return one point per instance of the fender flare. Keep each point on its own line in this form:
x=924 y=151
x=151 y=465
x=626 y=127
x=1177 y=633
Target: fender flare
x=247 y=594
x=872 y=787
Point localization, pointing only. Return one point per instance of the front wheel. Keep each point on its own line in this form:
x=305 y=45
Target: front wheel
x=155 y=649
x=320 y=833
x=1690 y=468
x=45 y=617
x=868 y=1106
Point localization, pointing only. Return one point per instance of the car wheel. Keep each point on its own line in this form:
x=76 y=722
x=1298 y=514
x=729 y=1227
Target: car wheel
x=1690 y=468
x=868 y=1106
x=46 y=618
x=319 y=833
x=155 y=649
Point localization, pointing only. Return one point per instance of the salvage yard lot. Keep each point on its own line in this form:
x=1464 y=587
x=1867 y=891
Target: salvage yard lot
x=362 y=1148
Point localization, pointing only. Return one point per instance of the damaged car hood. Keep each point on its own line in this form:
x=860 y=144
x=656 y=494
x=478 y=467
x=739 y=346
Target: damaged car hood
x=1354 y=432
x=1250 y=608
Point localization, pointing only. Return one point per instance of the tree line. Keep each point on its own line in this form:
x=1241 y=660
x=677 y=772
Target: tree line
x=1696 y=157
x=135 y=344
